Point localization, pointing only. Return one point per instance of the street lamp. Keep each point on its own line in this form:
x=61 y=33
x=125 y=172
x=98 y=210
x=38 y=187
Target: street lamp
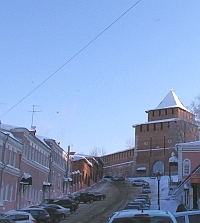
x=158 y=175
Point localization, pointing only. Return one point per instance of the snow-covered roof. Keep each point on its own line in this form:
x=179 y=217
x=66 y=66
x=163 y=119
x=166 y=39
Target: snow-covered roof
x=157 y=121
x=173 y=159
x=189 y=144
x=77 y=157
x=171 y=100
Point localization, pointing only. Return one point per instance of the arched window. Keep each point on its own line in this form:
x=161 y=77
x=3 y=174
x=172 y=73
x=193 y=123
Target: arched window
x=186 y=167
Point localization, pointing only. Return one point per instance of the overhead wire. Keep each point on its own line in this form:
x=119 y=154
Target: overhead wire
x=71 y=58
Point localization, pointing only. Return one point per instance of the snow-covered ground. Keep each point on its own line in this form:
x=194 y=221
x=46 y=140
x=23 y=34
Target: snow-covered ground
x=167 y=202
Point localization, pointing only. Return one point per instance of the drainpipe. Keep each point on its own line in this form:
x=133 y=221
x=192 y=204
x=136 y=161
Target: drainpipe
x=4 y=166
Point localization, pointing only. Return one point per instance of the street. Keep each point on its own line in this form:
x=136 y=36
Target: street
x=118 y=194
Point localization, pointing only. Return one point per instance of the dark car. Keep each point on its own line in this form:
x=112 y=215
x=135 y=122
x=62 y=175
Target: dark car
x=40 y=215
x=118 y=178
x=84 y=197
x=3 y=220
x=65 y=202
x=55 y=215
x=97 y=196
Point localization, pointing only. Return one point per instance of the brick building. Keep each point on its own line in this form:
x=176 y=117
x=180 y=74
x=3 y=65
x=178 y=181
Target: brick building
x=33 y=167
x=86 y=171
x=168 y=124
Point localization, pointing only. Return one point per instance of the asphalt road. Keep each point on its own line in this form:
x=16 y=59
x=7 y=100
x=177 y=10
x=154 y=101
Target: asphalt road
x=118 y=194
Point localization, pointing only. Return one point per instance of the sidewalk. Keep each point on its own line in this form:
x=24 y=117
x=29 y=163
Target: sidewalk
x=167 y=202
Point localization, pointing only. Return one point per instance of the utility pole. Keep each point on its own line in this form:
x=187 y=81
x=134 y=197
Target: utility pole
x=67 y=175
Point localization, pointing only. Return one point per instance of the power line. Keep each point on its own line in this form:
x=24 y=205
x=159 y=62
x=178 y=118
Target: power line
x=76 y=54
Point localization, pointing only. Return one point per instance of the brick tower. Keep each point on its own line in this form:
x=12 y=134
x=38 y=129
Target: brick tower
x=169 y=123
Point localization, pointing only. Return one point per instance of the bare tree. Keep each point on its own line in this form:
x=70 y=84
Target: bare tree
x=130 y=143
x=183 y=131
x=195 y=108
x=96 y=151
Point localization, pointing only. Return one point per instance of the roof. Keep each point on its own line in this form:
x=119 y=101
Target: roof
x=171 y=100
x=132 y=212
x=189 y=144
x=157 y=121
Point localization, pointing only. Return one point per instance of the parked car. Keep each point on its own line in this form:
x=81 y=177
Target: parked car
x=40 y=215
x=84 y=197
x=3 y=220
x=143 y=200
x=141 y=205
x=132 y=206
x=187 y=216
x=140 y=182
x=18 y=216
x=65 y=212
x=146 y=190
x=65 y=202
x=108 y=177
x=142 y=216
x=55 y=215
x=97 y=196
x=145 y=196
x=118 y=178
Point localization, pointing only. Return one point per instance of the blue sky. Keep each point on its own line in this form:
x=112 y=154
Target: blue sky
x=94 y=99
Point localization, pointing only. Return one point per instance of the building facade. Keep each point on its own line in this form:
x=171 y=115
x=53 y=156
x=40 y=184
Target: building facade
x=33 y=168
x=167 y=124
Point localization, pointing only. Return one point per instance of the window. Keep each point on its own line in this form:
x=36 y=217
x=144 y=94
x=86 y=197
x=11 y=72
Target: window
x=6 y=193
x=147 y=127
x=161 y=126
x=186 y=167
x=14 y=159
x=140 y=128
x=172 y=110
x=11 y=193
x=159 y=112
x=165 y=111
x=153 y=113
x=154 y=126
x=9 y=157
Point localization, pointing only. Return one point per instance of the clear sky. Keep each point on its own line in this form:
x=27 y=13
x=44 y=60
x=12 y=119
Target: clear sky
x=94 y=99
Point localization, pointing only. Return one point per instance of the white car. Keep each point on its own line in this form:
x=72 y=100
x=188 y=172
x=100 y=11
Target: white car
x=188 y=216
x=149 y=216
x=18 y=216
x=140 y=182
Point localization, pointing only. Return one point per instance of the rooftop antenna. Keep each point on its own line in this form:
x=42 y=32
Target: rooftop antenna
x=33 y=112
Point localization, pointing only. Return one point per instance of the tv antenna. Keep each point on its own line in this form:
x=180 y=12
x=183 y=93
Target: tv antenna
x=33 y=112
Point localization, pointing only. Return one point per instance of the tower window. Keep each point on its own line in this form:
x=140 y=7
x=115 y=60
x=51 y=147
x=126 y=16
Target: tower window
x=140 y=128
x=154 y=126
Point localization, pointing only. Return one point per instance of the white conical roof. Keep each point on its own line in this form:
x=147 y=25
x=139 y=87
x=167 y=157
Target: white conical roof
x=171 y=100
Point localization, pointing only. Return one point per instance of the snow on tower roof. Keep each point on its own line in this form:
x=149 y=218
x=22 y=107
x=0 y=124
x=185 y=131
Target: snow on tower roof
x=171 y=100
